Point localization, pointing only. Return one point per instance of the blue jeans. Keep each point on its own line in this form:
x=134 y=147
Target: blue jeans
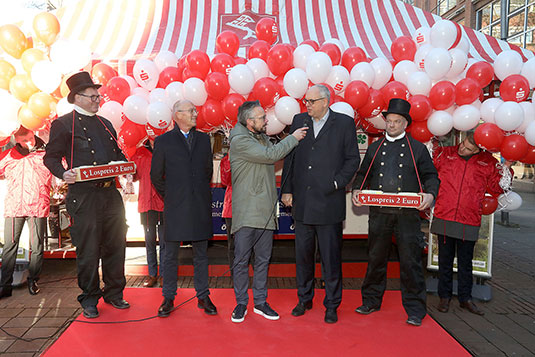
x=150 y=245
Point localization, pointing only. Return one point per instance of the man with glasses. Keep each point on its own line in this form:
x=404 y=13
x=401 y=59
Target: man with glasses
x=254 y=199
x=315 y=177
x=181 y=172
x=98 y=226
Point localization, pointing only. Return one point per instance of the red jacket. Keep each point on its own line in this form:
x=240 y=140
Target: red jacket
x=148 y=198
x=226 y=181
x=463 y=184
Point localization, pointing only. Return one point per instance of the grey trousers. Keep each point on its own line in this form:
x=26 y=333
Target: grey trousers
x=245 y=240
x=12 y=230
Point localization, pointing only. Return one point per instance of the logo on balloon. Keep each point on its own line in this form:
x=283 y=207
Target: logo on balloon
x=339 y=86
x=162 y=123
x=420 y=38
x=244 y=25
x=520 y=95
x=143 y=75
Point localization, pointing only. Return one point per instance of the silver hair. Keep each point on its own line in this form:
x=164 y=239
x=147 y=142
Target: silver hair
x=179 y=104
x=245 y=110
x=324 y=91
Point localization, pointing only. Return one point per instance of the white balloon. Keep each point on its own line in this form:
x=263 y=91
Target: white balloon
x=506 y=63
x=344 y=108
x=146 y=73
x=477 y=103
x=63 y=107
x=285 y=109
x=274 y=126
x=241 y=79
x=459 y=60
x=337 y=42
x=259 y=68
x=46 y=76
x=509 y=116
x=158 y=115
x=440 y=123
x=488 y=109
x=437 y=63
x=422 y=35
x=338 y=79
x=421 y=53
x=318 y=67
x=295 y=82
x=509 y=201
x=419 y=83
x=469 y=64
x=135 y=109
x=363 y=71
x=131 y=82
x=403 y=70
x=158 y=95
x=174 y=92
x=378 y=122
x=142 y=92
x=443 y=34
x=113 y=111
x=529 y=116
x=70 y=55
x=383 y=72
x=451 y=109
x=465 y=117
x=10 y=109
x=301 y=54
x=528 y=71
x=463 y=45
x=194 y=90
x=529 y=134
x=165 y=59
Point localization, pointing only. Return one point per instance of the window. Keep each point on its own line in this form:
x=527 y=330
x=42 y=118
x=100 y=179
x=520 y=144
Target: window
x=444 y=6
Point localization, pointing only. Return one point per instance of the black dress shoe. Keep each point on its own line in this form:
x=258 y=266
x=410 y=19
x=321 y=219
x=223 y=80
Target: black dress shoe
x=118 y=303
x=301 y=308
x=207 y=305
x=470 y=306
x=32 y=287
x=90 y=312
x=5 y=291
x=443 y=305
x=166 y=307
x=366 y=310
x=331 y=316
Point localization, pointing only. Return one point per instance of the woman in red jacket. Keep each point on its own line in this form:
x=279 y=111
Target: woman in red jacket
x=466 y=173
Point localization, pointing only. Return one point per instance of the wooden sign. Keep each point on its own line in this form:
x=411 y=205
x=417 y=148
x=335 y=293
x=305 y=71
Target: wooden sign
x=380 y=198
x=87 y=173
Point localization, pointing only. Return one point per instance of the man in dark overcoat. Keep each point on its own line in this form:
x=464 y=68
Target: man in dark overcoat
x=181 y=172
x=315 y=176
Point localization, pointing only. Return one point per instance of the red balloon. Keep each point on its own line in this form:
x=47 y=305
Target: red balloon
x=338 y=98
x=153 y=132
x=394 y=89
x=131 y=134
x=102 y=73
x=290 y=47
x=312 y=43
x=230 y=105
x=352 y=56
x=403 y=48
x=467 y=90
x=331 y=92
x=280 y=82
x=223 y=63
x=227 y=42
x=217 y=85
x=419 y=131
x=267 y=30
x=530 y=156
x=482 y=72
x=368 y=127
x=118 y=89
x=489 y=137
x=212 y=112
x=514 y=147
x=421 y=108
x=442 y=95
x=198 y=61
x=374 y=105
x=189 y=73
x=514 y=88
x=279 y=59
x=356 y=94
x=103 y=91
x=240 y=60
x=333 y=51
x=169 y=75
x=266 y=90
x=201 y=123
x=259 y=49
x=489 y=204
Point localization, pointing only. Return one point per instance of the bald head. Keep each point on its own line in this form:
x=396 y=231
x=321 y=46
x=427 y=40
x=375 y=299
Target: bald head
x=185 y=115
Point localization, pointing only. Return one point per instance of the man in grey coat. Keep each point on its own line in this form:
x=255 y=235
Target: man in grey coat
x=254 y=196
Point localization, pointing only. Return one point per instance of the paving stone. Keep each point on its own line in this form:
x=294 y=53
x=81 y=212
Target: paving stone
x=40 y=332
x=51 y=322
x=33 y=312
x=23 y=346
x=5 y=344
x=7 y=312
x=21 y=322
x=62 y=312
x=7 y=333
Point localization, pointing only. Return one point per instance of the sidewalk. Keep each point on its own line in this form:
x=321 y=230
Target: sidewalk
x=508 y=327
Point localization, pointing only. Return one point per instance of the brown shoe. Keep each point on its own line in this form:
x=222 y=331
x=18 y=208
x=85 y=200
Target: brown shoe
x=443 y=305
x=151 y=282
x=160 y=281
x=470 y=306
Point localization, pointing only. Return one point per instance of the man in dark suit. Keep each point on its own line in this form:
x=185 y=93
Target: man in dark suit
x=315 y=176
x=181 y=172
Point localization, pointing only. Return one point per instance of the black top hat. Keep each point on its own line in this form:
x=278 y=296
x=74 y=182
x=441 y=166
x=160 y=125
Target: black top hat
x=399 y=106
x=78 y=82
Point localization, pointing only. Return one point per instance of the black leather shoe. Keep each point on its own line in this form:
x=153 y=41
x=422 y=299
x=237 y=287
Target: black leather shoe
x=366 y=310
x=301 y=308
x=207 y=305
x=166 y=307
x=90 y=312
x=470 y=306
x=331 y=316
x=443 y=305
x=118 y=303
x=32 y=287
x=5 y=292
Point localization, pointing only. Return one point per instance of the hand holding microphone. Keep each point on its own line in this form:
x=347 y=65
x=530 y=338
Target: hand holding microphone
x=300 y=133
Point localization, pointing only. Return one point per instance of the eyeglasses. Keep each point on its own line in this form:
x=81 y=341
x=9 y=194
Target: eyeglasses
x=94 y=98
x=311 y=101
x=263 y=118
x=191 y=111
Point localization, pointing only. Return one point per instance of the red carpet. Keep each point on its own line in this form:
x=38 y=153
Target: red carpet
x=190 y=332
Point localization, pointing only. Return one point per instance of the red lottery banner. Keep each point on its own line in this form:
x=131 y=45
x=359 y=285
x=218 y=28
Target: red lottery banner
x=379 y=198
x=86 y=173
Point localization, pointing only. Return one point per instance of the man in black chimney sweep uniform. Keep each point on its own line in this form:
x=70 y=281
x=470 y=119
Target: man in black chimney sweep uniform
x=98 y=226
x=396 y=163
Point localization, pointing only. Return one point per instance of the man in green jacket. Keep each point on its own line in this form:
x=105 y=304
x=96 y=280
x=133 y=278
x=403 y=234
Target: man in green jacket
x=254 y=196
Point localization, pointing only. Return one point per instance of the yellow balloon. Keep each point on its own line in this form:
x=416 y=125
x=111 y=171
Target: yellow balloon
x=29 y=119
x=30 y=57
x=22 y=87
x=42 y=104
x=7 y=71
x=12 y=40
x=46 y=27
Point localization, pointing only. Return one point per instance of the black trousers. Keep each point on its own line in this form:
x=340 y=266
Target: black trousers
x=98 y=231
x=330 y=247
x=407 y=229
x=200 y=269
x=446 y=254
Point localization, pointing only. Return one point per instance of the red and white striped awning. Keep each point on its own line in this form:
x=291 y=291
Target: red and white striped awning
x=122 y=30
